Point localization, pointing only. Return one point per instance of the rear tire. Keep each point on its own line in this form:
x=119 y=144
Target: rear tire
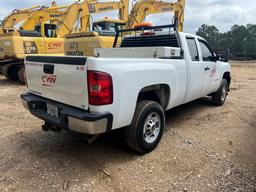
x=146 y=129
x=12 y=73
x=219 y=97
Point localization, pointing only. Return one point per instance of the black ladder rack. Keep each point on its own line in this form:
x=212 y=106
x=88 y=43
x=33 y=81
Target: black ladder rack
x=152 y=28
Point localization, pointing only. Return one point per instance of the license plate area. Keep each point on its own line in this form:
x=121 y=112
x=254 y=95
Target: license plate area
x=52 y=110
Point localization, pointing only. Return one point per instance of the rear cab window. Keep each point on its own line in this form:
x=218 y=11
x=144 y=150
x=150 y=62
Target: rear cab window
x=158 y=40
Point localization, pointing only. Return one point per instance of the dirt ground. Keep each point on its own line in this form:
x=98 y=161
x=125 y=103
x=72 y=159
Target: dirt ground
x=204 y=148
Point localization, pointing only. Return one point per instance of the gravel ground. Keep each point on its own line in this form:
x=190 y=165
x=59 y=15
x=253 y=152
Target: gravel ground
x=204 y=148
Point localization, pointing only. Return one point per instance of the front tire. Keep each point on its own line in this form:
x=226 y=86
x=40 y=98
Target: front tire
x=146 y=129
x=219 y=97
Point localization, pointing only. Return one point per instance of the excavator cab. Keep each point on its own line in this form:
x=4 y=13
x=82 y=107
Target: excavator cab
x=50 y=30
x=107 y=25
x=46 y=30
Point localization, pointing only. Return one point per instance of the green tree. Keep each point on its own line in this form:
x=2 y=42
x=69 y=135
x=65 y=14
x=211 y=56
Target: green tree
x=210 y=34
x=240 y=39
x=250 y=44
x=225 y=41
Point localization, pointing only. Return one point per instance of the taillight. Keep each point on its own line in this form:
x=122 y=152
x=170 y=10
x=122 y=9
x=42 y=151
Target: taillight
x=100 y=88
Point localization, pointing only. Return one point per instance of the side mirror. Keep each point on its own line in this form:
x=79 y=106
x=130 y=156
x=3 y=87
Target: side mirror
x=225 y=56
x=216 y=57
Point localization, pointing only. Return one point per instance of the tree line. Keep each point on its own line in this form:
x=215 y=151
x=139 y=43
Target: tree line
x=240 y=39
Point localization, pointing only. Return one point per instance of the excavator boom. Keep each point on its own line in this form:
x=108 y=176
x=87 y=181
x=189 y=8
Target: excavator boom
x=17 y=16
x=79 y=12
x=73 y=14
x=92 y=6
x=179 y=14
x=28 y=9
x=52 y=14
x=122 y=6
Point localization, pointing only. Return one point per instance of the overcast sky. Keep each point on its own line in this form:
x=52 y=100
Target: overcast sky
x=221 y=13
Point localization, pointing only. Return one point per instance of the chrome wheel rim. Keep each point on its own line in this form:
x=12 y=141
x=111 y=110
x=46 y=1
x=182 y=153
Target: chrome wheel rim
x=152 y=127
x=223 y=93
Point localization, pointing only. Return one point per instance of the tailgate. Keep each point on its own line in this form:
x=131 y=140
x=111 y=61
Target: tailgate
x=63 y=79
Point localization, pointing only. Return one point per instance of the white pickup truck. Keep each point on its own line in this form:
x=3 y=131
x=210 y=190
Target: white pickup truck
x=128 y=87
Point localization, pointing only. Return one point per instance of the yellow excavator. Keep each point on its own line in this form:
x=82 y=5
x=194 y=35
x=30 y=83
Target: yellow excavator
x=39 y=24
x=102 y=35
x=39 y=34
x=16 y=17
x=102 y=31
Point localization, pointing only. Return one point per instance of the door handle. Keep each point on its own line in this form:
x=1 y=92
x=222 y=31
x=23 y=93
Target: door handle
x=206 y=68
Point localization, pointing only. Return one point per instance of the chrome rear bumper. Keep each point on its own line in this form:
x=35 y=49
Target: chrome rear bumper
x=71 y=118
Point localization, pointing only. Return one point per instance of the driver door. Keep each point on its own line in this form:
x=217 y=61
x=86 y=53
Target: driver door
x=210 y=68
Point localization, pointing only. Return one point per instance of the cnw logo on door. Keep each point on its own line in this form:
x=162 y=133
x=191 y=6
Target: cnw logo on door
x=48 y=80
x=55 y=45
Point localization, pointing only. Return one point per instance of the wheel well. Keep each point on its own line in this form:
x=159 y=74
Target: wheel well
x=227 y=77
x=158 y=93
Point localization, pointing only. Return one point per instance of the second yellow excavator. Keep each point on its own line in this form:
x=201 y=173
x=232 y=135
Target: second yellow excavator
x=102 y=35
x=102 y=31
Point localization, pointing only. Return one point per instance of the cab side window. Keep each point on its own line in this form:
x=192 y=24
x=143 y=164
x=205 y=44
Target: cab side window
x=50 y=30
x=207 y=53
x=192 y=49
